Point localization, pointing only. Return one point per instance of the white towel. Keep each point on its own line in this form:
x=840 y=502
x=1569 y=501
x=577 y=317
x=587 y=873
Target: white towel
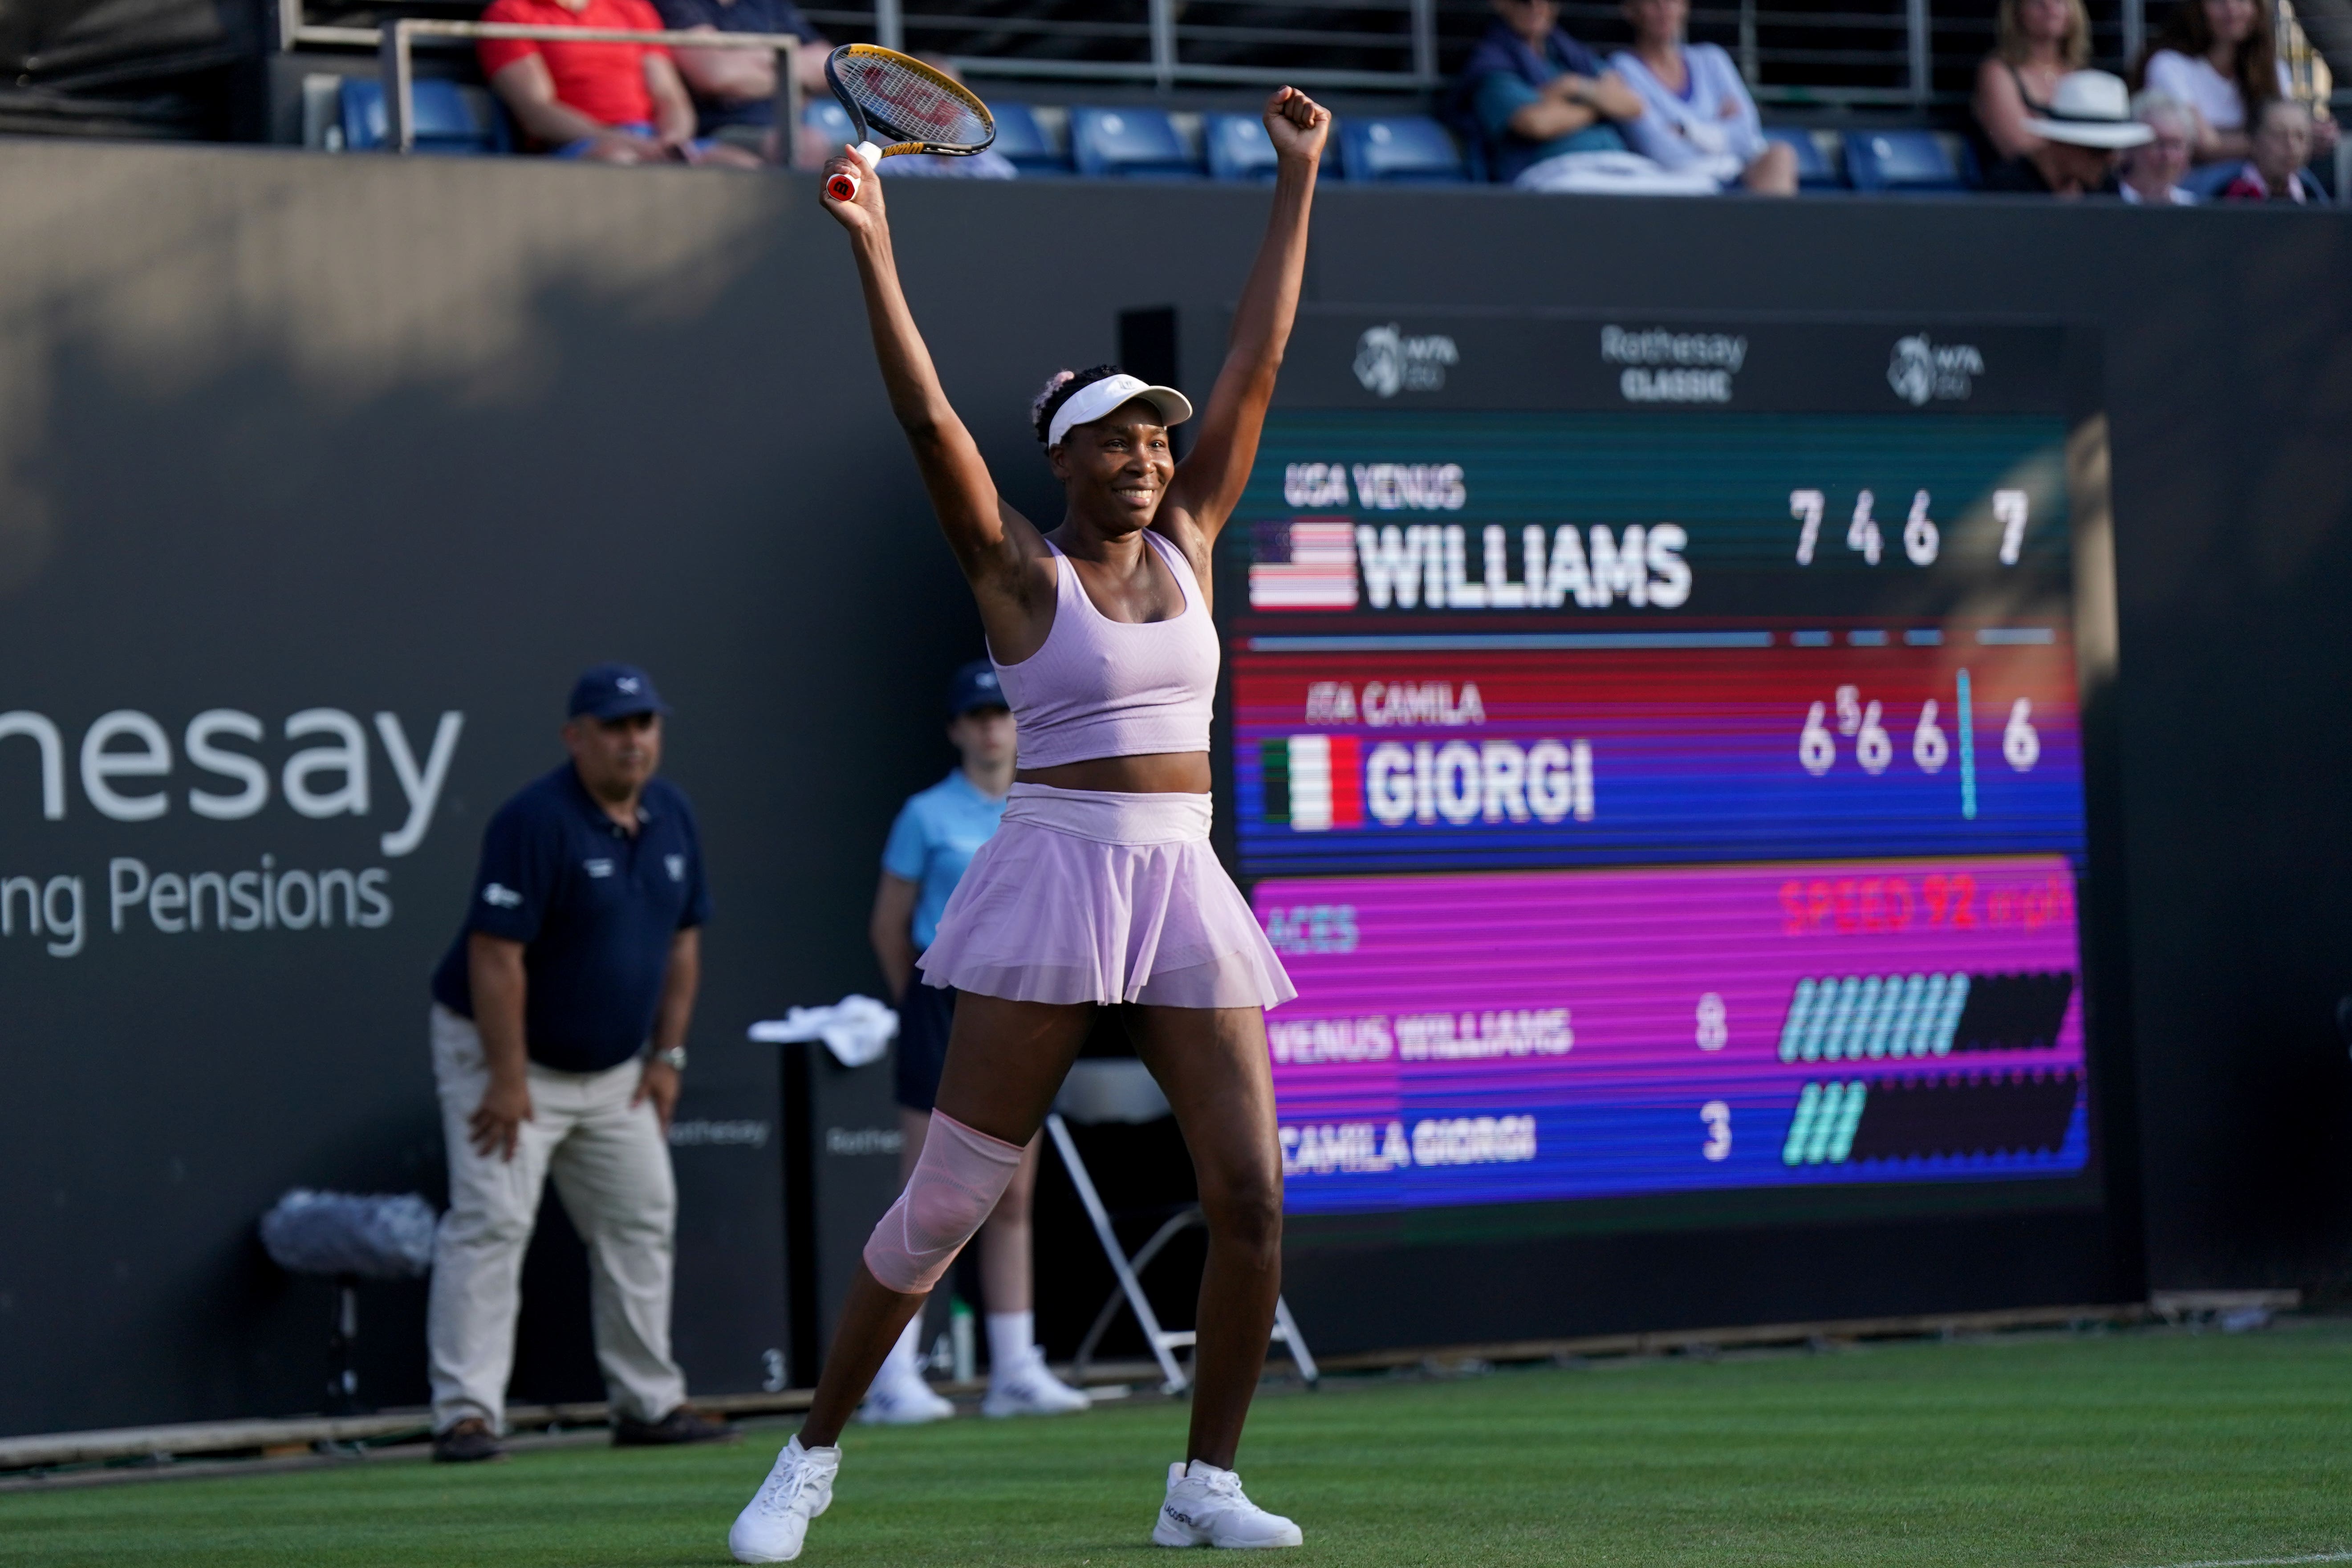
x=855 y=1029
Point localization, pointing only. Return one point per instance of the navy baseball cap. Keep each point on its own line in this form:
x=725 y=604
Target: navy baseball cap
x=615 y=691
x=975 y=687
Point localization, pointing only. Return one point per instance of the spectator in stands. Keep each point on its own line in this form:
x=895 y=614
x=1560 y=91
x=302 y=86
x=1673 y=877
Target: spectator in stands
x=2076 y=140
x=735 y=90
x=2281 y=145
x=609 y=103
x=2039 y=41
x=1695 y=112
x=1534 y=94
x=2151 y=172
x=2221 y=58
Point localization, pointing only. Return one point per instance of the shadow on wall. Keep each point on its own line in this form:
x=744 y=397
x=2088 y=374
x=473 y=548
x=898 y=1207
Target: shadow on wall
x=279 y=434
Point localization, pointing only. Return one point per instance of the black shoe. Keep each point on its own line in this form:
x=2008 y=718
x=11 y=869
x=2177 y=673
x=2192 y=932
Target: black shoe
x=469 y=1442
x=680 y=1426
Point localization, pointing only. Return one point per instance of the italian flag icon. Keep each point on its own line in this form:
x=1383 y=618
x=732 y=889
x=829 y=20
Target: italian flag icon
x=1314 y=782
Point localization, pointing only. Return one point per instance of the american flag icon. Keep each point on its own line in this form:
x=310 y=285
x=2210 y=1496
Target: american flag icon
x=1304 y=566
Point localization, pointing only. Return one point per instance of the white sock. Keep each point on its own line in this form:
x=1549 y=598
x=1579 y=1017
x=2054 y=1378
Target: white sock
x=1011 y=1343
x=904 y=1364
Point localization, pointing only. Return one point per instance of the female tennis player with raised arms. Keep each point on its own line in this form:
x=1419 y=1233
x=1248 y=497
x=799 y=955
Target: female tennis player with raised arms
x=1100 y=887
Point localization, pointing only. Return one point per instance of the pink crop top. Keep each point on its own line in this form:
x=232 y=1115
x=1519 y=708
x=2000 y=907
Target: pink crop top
x=1100 y=688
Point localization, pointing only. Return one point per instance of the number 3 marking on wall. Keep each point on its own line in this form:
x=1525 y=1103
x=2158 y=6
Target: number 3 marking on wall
x=1717 y=1117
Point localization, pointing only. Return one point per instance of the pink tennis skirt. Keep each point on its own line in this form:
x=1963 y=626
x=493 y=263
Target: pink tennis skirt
x=1104 y=896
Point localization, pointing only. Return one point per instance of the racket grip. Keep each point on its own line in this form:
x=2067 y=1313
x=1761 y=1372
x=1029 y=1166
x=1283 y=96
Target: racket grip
x=842 y=187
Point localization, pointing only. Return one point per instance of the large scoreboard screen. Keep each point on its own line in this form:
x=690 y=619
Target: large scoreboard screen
x=1658 y=760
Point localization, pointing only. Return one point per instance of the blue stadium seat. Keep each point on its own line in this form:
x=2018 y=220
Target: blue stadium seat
x=1905 y=161
x=1129 y=143
x=1024 y=142
x=1019 y=137
x=1814 y=170
x=446 y=123
x=1238 y=147
x=1405 y=149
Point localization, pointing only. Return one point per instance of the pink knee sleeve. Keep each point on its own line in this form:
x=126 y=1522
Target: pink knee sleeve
x=956 y=1183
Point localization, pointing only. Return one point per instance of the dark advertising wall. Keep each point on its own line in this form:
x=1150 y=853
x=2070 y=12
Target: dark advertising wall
x=318 y=479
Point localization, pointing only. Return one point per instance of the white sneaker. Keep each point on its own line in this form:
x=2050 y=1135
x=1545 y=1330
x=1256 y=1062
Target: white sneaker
x=1205 y=1507
x=903 y=1402
x=775 y=1522
x=1029 y=1389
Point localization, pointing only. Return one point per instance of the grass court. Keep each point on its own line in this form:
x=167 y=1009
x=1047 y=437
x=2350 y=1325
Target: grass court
x=2141 y=1449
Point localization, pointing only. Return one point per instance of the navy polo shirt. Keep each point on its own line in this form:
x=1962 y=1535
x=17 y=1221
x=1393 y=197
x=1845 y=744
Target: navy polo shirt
x=594 y=907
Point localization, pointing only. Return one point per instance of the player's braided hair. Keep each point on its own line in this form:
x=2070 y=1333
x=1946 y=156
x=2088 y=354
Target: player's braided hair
x=1065 y=385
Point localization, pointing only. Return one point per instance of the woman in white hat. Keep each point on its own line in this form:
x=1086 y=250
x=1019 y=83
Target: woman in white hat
x=2087 y=125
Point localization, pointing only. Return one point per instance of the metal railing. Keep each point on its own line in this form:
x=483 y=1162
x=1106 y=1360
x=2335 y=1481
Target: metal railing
x=1910 y=55
x=1914 y=55
x=395 y=46
x=1171 y=42
x=1896 y=53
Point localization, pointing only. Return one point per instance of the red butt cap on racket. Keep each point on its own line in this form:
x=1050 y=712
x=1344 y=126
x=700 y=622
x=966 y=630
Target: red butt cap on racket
x=842 y=187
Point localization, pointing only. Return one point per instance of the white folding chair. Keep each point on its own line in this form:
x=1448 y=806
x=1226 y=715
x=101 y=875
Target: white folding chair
x=1102 y=1091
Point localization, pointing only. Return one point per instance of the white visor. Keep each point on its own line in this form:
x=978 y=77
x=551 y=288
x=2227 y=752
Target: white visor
x=1093 y=401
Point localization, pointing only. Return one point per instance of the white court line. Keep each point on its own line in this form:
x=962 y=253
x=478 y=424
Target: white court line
x=2269 y=1562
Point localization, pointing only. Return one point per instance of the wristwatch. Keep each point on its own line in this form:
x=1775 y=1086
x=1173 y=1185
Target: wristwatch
x=673 y=1058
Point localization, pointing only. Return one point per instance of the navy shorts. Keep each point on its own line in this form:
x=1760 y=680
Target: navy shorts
x=925 y=1015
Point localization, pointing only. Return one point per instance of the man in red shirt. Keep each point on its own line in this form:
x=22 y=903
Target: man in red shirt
x=612 y=103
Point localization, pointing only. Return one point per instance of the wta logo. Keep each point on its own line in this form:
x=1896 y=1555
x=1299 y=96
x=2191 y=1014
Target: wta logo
x=1389 y=362
x=1322 y=783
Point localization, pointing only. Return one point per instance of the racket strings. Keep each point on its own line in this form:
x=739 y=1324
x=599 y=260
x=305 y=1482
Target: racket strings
x=912 y=104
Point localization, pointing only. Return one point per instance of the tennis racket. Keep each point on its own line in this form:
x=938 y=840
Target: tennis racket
x=898 y=96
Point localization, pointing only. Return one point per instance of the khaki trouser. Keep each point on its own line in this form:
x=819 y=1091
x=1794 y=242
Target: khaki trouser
x=611 y=1170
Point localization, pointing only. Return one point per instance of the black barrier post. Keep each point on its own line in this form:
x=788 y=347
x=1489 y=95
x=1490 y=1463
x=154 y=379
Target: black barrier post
x=799 y=1219
x=841 y=1171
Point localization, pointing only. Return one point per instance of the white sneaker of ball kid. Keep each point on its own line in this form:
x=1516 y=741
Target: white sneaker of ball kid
x=903 y=1402
x=1028 y=1389
x=775 y=1522
x=1205 y=1507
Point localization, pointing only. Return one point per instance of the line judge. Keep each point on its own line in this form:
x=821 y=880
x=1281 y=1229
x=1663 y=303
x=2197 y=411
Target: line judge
x=558 y=1036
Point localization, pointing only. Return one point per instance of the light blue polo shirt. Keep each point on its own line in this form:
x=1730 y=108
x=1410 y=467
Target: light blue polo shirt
x=937 y=834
